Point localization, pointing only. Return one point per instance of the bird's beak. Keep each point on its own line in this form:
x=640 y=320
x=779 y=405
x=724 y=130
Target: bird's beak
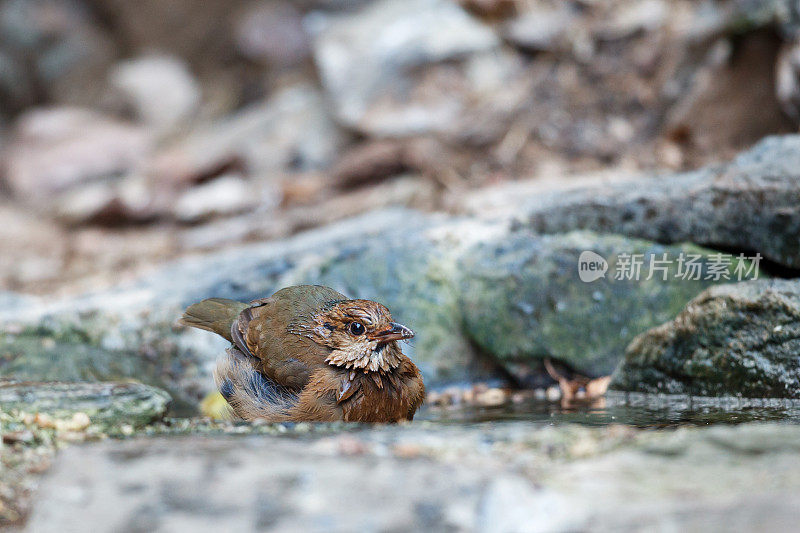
x=395 y=333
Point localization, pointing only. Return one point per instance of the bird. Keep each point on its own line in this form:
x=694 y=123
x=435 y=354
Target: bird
x=308 y=353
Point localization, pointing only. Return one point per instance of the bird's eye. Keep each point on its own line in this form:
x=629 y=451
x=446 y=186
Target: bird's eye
x=357 y=328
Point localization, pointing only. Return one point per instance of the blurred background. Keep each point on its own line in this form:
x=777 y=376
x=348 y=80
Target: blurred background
x=135 y=132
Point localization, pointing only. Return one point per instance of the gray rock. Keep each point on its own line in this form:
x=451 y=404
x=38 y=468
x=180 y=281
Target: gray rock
x=434 y=273
x=273 y=33
x=494 y=478
x=379 y=86
x=105 y=403
x=290 y=129
x=51 y=51
x=226 y=195
x=56 y=149
x=732 y=340
x=160 y=90
x=540 y=27
x=749 y=204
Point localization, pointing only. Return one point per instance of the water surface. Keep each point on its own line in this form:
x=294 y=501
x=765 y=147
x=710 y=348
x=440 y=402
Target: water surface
x=631 y=409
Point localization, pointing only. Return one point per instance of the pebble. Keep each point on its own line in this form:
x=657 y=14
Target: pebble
x=553 y=393
x=492 y=398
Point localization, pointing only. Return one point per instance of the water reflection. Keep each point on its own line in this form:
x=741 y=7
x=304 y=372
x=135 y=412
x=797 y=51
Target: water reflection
x=635 y=410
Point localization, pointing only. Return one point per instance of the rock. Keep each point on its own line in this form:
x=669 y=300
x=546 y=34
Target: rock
x=51 y=51
x=732 y=340
x=632 y=17
x=160 y=90
x=748 y=204
x=226 y=195
x=434 y=272
x=788 y=79
x=540 y=27
x=522 y=300
x=126 y=200
x=89 y=348
x=509 y=477
x=402 y=191
x=291 y=130
x=101 y=403
x=419 y=76
x=55 y=151
x=273 y=33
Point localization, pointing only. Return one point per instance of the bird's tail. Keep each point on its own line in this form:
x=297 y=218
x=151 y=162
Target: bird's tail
x=215 y=315
x=250 y=394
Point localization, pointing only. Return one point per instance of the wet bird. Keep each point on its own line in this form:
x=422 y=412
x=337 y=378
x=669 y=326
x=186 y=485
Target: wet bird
x=309 y=353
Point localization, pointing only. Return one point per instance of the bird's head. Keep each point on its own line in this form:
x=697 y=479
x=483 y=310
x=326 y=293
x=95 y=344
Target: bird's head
x=360 y=335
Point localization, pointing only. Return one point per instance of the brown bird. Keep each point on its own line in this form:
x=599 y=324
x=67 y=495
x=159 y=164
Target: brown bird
x=309 y=353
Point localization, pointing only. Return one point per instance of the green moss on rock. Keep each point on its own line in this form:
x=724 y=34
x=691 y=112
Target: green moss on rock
x=741 y=339
x=522 y=298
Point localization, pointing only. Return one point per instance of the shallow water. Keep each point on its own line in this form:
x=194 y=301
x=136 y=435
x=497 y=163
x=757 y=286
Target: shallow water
x=634 y=410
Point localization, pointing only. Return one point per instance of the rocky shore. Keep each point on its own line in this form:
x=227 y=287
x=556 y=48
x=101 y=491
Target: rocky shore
x=454 y=160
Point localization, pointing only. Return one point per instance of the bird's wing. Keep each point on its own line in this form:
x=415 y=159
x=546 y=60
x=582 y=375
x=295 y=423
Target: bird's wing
x=263 y=331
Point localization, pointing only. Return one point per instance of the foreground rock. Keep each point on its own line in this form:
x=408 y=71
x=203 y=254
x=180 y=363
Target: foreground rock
x=732 y=340
x=37 y=419
x=105 y=403
x=457 y=282
x=486 y=478
x=749 y=204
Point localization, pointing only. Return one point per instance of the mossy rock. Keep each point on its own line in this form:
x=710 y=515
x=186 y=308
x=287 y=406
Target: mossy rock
x=108 y=404
x=732 y=340
x=522 y=298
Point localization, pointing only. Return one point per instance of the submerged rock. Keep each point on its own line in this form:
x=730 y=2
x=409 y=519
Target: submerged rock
x=732 y=340
x=110 y=404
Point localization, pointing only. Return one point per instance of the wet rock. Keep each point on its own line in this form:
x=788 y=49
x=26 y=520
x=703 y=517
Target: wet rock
x=420 y=74
x=522 y=299
x=100 y=403
x=160 y=90
x=748 y=204
x=56 y=151
x=510 y=477
x=732 y=340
